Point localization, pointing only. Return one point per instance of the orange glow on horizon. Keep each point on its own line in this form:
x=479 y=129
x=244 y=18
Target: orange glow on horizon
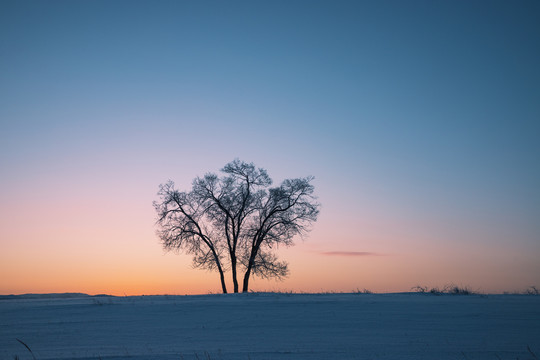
x=152 y=272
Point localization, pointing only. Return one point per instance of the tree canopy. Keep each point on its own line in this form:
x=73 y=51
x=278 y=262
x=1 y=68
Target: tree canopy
x=234 y=222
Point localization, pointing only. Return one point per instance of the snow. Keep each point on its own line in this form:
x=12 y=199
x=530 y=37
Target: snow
x=271 y=326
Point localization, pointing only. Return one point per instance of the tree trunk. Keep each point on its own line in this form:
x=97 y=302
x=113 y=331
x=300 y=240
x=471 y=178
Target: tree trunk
x=245 y=287
x=222 y=278
x=221 y=274
x=254 y=250
x=233 y=270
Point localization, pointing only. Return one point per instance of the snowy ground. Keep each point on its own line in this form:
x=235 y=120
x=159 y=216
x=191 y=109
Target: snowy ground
x=272 y=326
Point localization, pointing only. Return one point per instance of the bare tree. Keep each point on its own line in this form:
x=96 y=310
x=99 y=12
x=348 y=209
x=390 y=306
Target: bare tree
x=236 y=220
x=282 y=213
x=184 y=225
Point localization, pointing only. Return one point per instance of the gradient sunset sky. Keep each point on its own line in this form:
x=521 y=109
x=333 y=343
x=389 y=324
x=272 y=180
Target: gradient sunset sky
x=420 y=121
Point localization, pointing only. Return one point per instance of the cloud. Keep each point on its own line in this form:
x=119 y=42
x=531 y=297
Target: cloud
x=349 y=253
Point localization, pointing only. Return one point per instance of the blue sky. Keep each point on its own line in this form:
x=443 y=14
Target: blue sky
x=420 y=120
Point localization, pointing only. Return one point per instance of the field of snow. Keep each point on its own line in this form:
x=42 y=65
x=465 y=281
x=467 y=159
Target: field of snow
x=271 y=326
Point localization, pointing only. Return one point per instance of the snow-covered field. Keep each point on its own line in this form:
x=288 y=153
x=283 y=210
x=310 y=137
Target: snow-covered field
x=272 y=326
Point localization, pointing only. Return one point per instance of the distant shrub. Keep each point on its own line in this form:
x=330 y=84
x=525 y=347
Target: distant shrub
x=420 y=289
x=532 y=291
x=457 y=290
x=448 y=289
x=436 y=291
x=426 y=290
x=365 y=291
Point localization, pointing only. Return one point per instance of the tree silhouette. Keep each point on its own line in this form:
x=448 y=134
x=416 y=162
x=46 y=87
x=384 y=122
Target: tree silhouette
x=234 y=222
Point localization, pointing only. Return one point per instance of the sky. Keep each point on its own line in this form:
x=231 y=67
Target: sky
x=419 y=120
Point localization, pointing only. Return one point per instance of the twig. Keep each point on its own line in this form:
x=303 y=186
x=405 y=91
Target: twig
x=26 y=346
x=533 y=354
